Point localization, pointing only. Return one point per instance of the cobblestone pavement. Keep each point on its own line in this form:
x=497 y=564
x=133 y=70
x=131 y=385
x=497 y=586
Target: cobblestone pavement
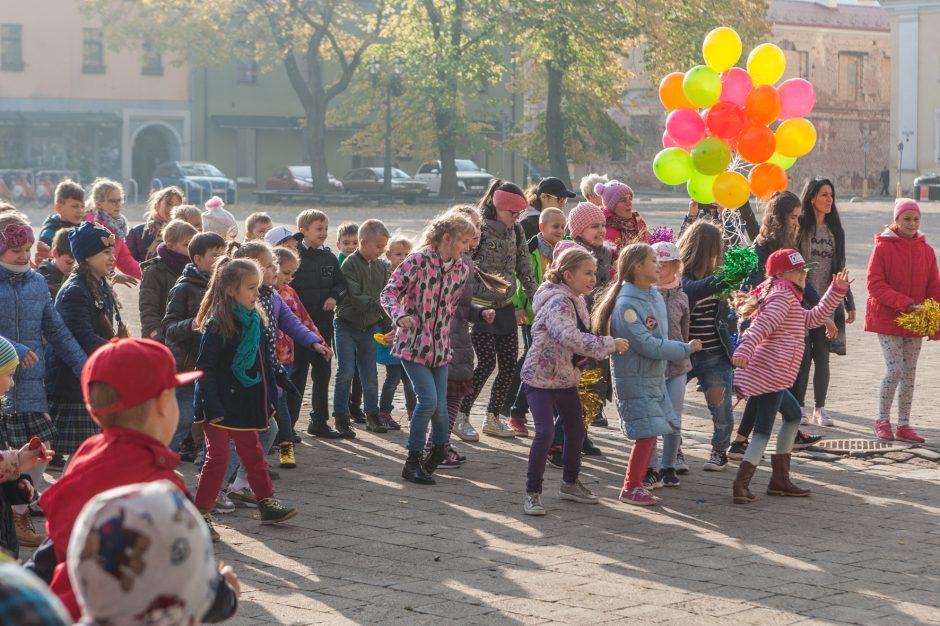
x=369 y=548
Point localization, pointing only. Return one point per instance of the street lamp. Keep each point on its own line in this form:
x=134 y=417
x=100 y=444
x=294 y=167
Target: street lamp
x=392 y=89
x=900 y=158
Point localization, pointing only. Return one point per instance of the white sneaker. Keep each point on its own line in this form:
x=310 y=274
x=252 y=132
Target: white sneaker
x=223 y=504
x=496 y=427
x=464 y=429
x=821 y=417
x=577 y=492
x=804 y=421
x=532 y=504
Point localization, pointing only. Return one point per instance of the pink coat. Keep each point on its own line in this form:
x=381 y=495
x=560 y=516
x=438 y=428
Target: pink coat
x=123 y=259
x=773 y=344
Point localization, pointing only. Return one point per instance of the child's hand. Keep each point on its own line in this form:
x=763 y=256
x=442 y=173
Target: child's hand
x=841 y=280
x=194 y=325
x=520 y=316
x=323 y=349
x=621 y=345
x=696 y=345
x=408 y=322
x=832 y=331
x=329 y=304
x=124 y=279
x=850 y=317
x=29 y=360
x=693 y=209
x=488 y=316
x=740 y=362
x=228 y=573
x=32 y=455
x=389 y=337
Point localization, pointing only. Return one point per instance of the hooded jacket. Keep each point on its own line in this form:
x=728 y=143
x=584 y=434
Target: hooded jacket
x=503 y=252
x=53 y=224
x=158 y=278
x=181 y=308
x=677 y=312
x=319 y=278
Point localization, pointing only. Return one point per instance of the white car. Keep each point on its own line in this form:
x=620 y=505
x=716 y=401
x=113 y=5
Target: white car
x=471 y=178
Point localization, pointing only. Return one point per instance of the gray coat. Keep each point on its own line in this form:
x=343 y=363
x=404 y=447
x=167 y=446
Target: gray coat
x=461 y=363
x=503 y=252
x=677 y=311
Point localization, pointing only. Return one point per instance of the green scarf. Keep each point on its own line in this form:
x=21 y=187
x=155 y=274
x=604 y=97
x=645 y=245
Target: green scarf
x=247 y=349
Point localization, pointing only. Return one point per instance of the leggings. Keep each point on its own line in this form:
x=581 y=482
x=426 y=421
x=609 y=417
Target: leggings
x=815 y=353
x=543 y=403
x=639 y=460
x=490 y=350
x=217 y=456
x=901 y=355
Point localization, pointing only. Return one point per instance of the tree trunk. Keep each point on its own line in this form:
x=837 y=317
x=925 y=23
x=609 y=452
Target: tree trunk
x=555 y=126
x=447 y=148
x=316 y=149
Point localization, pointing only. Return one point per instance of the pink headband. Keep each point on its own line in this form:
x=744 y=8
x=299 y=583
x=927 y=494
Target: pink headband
x=509 y=201
x=14 y=236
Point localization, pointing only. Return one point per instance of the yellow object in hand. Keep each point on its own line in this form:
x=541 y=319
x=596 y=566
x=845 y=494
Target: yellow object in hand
x=379 y=337
x=924 y=322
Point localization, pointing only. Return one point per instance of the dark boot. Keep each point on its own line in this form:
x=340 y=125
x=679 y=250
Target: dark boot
x=413 y=472
x=589 y=448
x=780 y=484
x=434 y=458
x=321 y=430
x=374 y=424
x=743 y=495
x=343 y=428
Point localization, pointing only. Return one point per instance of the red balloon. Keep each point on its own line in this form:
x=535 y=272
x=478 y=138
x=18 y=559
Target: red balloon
x=725 y=120
x=763 y=105
x=766 y=179
x=756 y=144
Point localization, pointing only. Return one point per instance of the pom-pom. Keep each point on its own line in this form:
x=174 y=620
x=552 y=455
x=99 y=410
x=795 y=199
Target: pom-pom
x=662 y=233
x=599 y=188
x=215 y=202
x=591 y=401
x=739 y=263
x=924 y=321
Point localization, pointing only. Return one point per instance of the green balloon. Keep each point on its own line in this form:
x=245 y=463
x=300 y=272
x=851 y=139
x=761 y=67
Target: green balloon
x=702 y=86
x=711 y=156
x=672 y=166
x=784 y=162
x=700 y=188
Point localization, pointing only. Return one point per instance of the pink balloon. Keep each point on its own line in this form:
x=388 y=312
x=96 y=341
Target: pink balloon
x=735 y=86
x=797 y=97
x=669 y=142
x=685 y=126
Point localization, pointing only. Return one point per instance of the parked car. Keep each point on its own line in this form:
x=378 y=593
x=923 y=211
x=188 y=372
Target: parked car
x=471 y=178
x=371 y=180
x=198 y=180
x=298 y=178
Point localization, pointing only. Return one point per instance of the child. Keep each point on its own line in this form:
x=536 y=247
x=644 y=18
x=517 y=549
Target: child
x=420 y=299
x=189 y=214
x=179 y=328
x=128 y=385
x=624 y=225
x=358 y=317
x=347 y=240
x=398 y=248
x=257 y=226
x=160 y=273
x=560 y=339
x=69 y=212
x=550 y=193
x=283 y=237
x=104 y=207
x=30 y=322
x=60 y=266
x=636 y=311
x=235 y=397
x=143 y=239
x=587 y=185
x=217 y=220
x=768 y=359
x=501 y=260
x=902 y=273
x=320 y=284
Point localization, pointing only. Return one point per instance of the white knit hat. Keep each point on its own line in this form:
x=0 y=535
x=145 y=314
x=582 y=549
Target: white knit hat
x=216 y=219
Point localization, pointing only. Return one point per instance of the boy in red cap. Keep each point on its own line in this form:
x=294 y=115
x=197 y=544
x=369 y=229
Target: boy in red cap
x=129 y=387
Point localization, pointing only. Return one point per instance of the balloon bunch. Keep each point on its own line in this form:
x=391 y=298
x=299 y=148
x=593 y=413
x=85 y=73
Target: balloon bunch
x=719 y=122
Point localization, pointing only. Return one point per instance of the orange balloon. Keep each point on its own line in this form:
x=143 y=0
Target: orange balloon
x=756 y=144
x=763 y=105
x=767 y=179
x=671 y=93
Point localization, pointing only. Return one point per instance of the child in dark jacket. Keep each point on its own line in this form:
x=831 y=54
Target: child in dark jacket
x=56 y=269
x=69 y=212
x=160 y=274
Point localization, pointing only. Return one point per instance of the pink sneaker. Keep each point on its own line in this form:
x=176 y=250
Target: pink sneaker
x=517 y=425
x=388 y=421
x=906 y=433
x=883 y=430
x=638 y=496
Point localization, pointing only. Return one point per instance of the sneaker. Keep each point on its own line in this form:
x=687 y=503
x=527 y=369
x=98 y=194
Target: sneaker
x=463 y=429
x=200 y=459
x=210 y=524
x=287 y=459
x=450 y=462
x=681 y=466
x=321 y=430
x=374 y=424
x=25 y=533
x=737 y=450
x=804 y=420
x=906 y=433
x=357 y=415
x=669 y=477
x=577 y=492
x=555 y=458
x=273 y=512
x=883 y=430
x=821 y=417
x=57 y=464
x=223 y=504
x=244 y=497
x=517 y=424
x=803 y=440
x=385 y=417
x=600 y=421
x=589 y=448
x=188 y=451
x=494 y=426
x=717 y=462
x=639 y=496
x=652 y=480
x=532 y=504
x=457 y=455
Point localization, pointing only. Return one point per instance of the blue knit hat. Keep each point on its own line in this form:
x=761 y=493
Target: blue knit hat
x=8 y=358
x=89 y=239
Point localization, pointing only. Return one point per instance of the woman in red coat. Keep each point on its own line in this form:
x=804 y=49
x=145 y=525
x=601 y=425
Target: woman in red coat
x=902 y=273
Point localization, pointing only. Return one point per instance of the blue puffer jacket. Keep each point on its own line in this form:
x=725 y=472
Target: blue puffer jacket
x=639 y=373
x=30 y=322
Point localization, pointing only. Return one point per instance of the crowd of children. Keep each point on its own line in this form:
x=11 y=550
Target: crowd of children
x=231 y=330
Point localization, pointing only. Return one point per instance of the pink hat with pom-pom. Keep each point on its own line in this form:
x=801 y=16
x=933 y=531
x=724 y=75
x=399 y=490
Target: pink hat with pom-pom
x=611 y=192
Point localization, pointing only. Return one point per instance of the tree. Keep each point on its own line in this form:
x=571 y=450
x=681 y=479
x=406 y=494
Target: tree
x=303 y=35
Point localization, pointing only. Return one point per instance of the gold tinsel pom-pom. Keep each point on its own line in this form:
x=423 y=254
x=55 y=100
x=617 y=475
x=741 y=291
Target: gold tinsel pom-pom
x=591 y=401
x=924 y=322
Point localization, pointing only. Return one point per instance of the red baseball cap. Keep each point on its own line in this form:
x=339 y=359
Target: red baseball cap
x=137 y=369
x=787 y=260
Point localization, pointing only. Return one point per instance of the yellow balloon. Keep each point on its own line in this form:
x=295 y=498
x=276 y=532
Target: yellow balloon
x=721 y=48
x=731 y=190
x=795 y=137
x=766 y=64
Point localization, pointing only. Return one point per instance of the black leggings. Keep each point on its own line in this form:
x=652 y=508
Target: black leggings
x=815 y=353
x=490 y=350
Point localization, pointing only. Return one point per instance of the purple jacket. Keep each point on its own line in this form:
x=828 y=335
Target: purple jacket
x=287 y=322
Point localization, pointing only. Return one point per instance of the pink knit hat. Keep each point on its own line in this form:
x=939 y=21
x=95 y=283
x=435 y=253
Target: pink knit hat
x=561 y=246
x=612 y=192
x=904 y=204
x=582 y=216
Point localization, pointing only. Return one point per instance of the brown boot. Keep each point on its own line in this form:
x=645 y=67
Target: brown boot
x=25 y=534
x=780 y=484
x=743 y=495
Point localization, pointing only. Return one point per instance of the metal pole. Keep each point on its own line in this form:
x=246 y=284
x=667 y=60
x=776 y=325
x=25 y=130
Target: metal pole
x=387 y=186
x=900 y=189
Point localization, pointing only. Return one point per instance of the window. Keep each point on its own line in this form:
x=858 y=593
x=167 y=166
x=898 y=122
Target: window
x=153 y=61
x=11 y=47
x=850 y=75
x=797 y=61
x=92 y=51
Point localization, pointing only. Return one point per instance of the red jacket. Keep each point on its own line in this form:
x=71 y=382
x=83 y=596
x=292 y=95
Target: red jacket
x=901 y=272
x=123 y=259
x=114 y=458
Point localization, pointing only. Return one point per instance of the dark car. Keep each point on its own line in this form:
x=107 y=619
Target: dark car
x=199 y=181
x=298 y=178
x=371 y=180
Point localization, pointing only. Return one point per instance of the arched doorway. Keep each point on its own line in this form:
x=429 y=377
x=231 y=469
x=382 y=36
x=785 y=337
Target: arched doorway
x=152 y=145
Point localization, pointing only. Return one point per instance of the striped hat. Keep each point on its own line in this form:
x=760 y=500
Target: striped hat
x=8 y=358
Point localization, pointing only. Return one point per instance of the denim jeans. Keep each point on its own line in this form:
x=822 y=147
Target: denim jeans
x=675 y=389
x=713 y=369
x=285 y=426
x=235 y=467
x=355 y=350
x=543 y=403
x=768 y=404
x=395 y=374
x=184 y=398
x=430 y=385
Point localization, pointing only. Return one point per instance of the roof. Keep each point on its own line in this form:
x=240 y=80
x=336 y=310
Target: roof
x=802 y=13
